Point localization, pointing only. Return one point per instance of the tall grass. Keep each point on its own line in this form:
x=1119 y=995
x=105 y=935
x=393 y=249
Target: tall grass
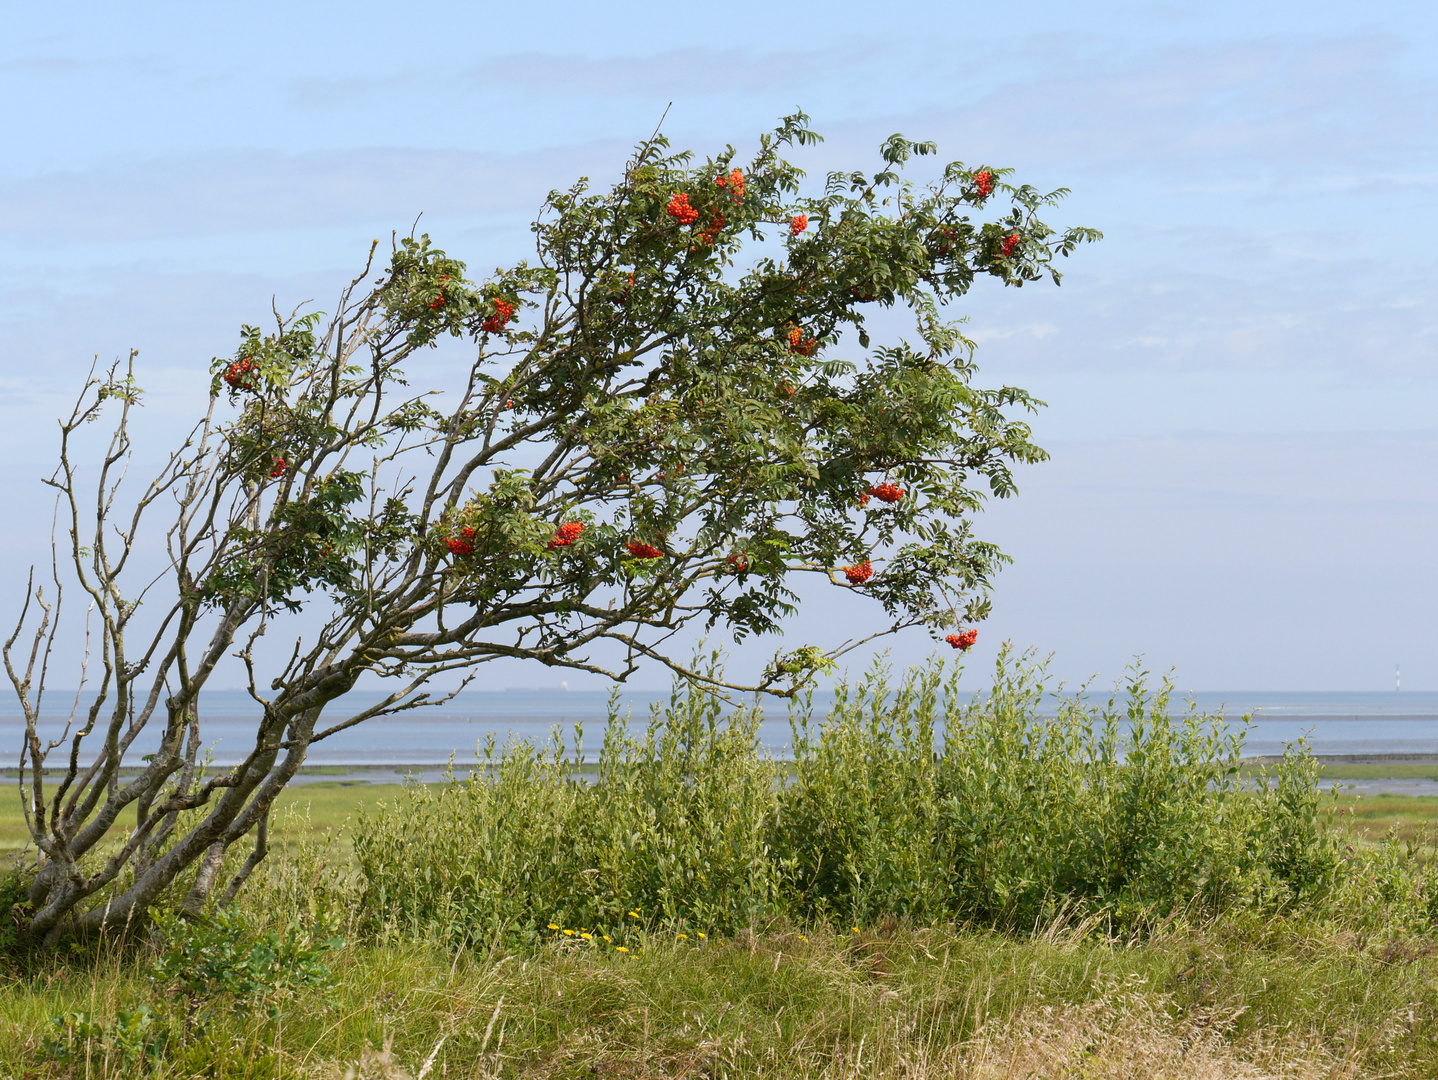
x=910 y=799
x=892 y=1001
x=931 y=886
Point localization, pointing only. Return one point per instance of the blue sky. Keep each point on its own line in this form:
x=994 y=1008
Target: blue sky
x=1241 y=377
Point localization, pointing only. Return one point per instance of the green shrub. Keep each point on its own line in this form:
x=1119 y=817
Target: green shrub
x=1120 y=810
x=677 y=827
x=915 y=800
x=223 y=959
x=14 y=907
x=134 y=1042
x=1301 y=854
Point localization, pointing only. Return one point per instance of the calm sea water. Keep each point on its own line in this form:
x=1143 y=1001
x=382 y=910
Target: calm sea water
x=1334 y=723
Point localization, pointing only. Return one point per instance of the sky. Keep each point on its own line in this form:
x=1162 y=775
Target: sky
x=1240 y=378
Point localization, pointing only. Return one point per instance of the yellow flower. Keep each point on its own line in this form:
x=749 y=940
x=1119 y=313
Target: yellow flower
x=620 y=948
x=587 y=937
x=702 y=935
x=635 y=914
x=608 y=938
x=803 y=938
x=683 y=937
x=553 y=927
x=569 y=933
x=856 y=929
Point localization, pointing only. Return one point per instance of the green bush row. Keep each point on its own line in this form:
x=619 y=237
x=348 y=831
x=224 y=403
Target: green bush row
x=917 y=800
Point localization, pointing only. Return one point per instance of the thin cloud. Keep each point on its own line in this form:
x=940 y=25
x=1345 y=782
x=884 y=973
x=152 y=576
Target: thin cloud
x=72 y=65
x=1222 y=300
x=329 y=92
x=221 y=194
x=687 y=71
x=1251 y=114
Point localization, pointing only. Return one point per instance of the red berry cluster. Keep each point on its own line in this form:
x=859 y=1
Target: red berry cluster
x=863 y=500
x=859 y=572
x=738 y=563
x=640 y=550
x=798 y=343
x=278 y=468
x=886 y=492
x=460 y=545
x=734 y=182
x=799 y=224
x=622 y=296
x=680 y=210
x=503 y=312
x=438 y=301
x=984 y=183
x=708 y=235
x=242 y=374
x=566 y=534
x=964 y=640
x=1011 y=243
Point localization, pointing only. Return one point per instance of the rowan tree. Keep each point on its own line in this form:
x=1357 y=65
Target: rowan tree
x=666 y=417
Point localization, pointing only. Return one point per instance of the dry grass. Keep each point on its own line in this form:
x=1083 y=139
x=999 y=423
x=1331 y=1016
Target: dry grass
x=1124 y=1035
x=1223 y=1000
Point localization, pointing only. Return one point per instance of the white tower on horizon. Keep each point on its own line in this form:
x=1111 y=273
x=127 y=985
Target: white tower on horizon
x=1397 y=678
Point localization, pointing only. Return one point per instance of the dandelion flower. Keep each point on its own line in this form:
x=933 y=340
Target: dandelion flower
x=683 y=937
x=635 y=914
x=552 y=926
x=587 y=937
x=608 y=938
x=702 y=935
x=569 y=933
x=856 y=929
x=620 y=948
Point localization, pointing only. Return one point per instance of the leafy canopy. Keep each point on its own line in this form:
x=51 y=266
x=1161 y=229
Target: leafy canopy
x=675 y=378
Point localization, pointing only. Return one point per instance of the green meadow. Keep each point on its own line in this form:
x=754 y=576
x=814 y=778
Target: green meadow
x=1092 y=895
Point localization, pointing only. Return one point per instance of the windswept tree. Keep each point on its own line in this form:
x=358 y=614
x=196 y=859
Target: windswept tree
x=664 y=418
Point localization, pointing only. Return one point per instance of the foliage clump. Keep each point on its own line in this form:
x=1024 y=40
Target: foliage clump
x=914 y=800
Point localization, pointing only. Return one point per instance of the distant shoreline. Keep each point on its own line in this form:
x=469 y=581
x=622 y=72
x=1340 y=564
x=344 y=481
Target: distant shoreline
x=1338 y=766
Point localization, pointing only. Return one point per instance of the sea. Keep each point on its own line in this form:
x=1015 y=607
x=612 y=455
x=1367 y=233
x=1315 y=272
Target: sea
x=425 y=742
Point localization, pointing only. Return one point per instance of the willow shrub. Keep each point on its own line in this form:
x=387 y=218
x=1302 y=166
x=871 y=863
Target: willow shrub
x=916 y=800
x=676 y=825
x=1119 y=810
